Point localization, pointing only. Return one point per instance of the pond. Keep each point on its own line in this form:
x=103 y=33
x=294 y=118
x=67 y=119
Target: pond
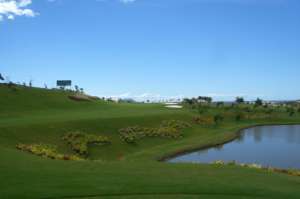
x=275 y=146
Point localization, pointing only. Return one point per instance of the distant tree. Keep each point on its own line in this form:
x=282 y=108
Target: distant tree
x=218 y=118
x=11 y=84
x=109 y=99
x=258 y=102
x=30 y=83
x=77 y=88
x=269 y=111
x=205 y=98
x=1 y=77
x=187 y=101
x=239 y=116
x=45 y=85
x=247 y=109
x=202 y=109
x=81 y=90
x=219 y=104
x=239 y=100
x=129 y=100
x=24 y=84
x=292 y=113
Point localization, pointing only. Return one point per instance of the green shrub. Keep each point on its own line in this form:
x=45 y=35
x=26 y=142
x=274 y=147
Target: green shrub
x=167 y=129
x=218 y=118
x=177 y=124
x=204 y=120
x=79 y=141
x=240 y=116
x=292 y=172
x=46 y=151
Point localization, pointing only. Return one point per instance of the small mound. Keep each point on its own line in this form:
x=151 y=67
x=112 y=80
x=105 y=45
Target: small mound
x=82 y=97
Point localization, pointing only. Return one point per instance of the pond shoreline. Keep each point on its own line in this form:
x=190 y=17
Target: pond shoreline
x=226 y=140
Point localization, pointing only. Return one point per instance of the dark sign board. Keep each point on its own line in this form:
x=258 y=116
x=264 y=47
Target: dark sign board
x=64 y=83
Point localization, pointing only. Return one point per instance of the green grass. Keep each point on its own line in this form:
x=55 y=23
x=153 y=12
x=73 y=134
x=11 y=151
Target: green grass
x=120 y=170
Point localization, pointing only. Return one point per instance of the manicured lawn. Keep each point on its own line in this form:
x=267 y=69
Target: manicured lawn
x=120 y=170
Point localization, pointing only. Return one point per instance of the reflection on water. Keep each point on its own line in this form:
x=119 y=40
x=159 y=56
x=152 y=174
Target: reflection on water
x=276 y=146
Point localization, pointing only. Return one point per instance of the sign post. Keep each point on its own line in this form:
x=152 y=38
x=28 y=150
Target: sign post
x=63 y=83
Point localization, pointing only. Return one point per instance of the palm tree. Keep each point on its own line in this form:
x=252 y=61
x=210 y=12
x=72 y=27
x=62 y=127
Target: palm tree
x=1 y=77
x=258 y=102
x=239 y=100
x=77 y=88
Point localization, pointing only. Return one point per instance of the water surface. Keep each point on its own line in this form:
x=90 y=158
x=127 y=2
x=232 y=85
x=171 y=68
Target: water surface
x=275 y=146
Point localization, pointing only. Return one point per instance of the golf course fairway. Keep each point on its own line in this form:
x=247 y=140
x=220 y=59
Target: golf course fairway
x=120 y=169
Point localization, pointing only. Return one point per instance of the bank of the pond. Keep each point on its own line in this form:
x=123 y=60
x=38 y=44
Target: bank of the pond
x=227 y=138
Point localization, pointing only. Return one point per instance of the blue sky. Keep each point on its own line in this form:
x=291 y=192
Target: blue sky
x=222 y=48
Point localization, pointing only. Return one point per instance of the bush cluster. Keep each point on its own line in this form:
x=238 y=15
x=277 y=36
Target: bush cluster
x=240 y=116
x=293 y=172
x=79 y=141
x=46 y=151
x=218 y=118
x=131 y=134
x=177 y=124
x=204 y=120
x=167 y=129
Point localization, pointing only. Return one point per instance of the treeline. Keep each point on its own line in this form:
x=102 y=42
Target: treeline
x=197 y=100
x=204 y=100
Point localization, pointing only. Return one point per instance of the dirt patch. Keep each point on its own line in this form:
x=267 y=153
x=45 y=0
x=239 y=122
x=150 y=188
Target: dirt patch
x=82 y=97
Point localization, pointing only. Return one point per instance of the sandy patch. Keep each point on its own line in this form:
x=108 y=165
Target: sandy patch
x=174 y=106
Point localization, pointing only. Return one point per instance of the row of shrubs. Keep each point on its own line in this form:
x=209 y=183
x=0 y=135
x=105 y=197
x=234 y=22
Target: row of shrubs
x=79 y=141
x=175 y=124
x=204 y=120
x=241 y=113
x=209 y=120
x=46 y=151
x=167 y=129
x=293 y=172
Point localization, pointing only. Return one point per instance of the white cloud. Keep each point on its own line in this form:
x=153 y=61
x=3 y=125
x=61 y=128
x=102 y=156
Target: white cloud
x=11 y=17
x=24 y=3
x=11 y=8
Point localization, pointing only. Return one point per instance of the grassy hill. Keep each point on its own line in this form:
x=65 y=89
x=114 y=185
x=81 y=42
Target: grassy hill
x=120 y=170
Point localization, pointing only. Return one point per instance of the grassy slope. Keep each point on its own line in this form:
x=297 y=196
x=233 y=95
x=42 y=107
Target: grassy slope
x=36 y=115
